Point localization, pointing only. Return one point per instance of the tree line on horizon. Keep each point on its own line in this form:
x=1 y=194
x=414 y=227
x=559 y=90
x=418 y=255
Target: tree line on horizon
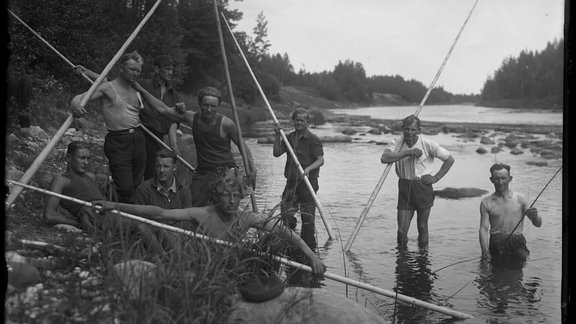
x=91 y=32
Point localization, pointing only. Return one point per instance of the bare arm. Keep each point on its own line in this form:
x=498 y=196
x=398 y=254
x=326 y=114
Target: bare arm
x=318 y=267
x=532 y=214
x=51 y=214
x=318 y=163
x=278 y=149
x=389 y=156
x=158 y=105
x=429 y=179
x=80 y=111
x=173 y=139
x=157 y=213
x=80 y=69
x=231 y=131
x=484 y=232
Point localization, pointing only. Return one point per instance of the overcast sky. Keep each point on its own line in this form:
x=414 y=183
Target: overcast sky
x=407 y=37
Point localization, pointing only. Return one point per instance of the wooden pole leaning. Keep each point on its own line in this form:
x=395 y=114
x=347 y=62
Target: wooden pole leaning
x=44 y=154
x=90 y=80
x=284 y=138
x=360 y=219
x=233 y=103
x=355 y=283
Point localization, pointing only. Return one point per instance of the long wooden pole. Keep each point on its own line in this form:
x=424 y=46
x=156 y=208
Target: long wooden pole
x=44 y=154
x=360 y=219
x=90 y=80
x=284 y=138
x=361 y=285
x=233 y=103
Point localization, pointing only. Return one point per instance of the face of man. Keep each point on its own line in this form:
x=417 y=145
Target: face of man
x=501 y=179
x=208 y=107
x=165 y=169
x=228 y=201
x=411 y=133
x=165 y=72
x=300 y=122
x=130 y=71
x=79 y=161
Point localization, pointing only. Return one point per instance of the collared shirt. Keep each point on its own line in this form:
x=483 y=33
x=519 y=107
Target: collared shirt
x=151 y=193
x=151 y=118
x=413 y=168
x=308 y=148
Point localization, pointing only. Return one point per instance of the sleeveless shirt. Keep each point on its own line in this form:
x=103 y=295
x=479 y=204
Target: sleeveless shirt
x=81 y=187
x=212 y=150
x=120 y=115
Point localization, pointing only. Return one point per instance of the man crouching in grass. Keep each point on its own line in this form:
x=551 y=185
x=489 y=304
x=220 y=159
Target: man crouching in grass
x=223 y=220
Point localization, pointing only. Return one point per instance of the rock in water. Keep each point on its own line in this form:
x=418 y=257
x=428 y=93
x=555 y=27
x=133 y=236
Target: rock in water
x=458 y=193
x=303 y=305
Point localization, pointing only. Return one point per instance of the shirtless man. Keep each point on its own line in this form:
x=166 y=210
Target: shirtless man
x=501 y=216
x=124 y=145
x=223 y=220
x=213 y=134
x=76 y=182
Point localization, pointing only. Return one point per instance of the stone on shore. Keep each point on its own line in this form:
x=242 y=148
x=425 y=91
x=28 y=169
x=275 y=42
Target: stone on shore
x=516 y=151
x=324 y=139
x=486 y=140
x=481 y=150
x=537 y=163
x=458 y=193
x=303 y=305
x=495 y=149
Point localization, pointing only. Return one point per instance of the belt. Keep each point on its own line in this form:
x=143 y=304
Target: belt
x=124 y=131
x=217 y=169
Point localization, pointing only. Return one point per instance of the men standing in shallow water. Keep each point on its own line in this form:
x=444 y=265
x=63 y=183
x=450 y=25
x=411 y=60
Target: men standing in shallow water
x=501 y=216
x=414 y=162
x=310 y=153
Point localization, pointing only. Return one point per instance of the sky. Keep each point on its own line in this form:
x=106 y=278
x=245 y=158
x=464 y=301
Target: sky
x=410 y=38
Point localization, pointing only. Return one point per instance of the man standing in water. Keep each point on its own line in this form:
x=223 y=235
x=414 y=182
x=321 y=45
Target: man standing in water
x=310 y=153
x=414 y=161
x=502 y=215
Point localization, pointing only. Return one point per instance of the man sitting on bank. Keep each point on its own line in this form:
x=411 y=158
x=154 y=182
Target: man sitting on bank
x=222 y=220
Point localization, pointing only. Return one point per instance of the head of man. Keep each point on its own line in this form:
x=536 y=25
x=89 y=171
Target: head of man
x=209 y=99
x=130 y=66
x=164 y=68
x=411 y=129
x=78 y=157
x=300 y=118
x=228 y=192
x=165 y=167
x=500 y=176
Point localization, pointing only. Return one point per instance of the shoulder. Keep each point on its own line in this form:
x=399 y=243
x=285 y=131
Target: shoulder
x=520 y=196
x=59 y=181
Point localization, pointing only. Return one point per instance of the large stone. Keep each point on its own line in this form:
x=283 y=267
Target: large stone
x=303 y=305
x=516 y=151
x=21 y=275
x=458 y=193
x=136 y=278
x=349 y=131
x=495 y=149
x=486 y=140
x=35 y=132
x=481 y=150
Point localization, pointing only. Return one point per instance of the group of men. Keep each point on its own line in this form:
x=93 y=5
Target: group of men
x=211 y=202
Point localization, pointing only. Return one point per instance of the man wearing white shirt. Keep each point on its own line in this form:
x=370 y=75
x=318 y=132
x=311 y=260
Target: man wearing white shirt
x=414 y=163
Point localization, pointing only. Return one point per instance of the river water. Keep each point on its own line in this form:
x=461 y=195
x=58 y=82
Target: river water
x=530 y=294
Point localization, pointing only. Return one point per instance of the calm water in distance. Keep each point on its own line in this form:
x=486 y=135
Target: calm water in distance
x=527 y=295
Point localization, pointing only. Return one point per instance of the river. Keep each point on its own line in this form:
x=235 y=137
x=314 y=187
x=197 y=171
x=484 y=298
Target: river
x=530 y=294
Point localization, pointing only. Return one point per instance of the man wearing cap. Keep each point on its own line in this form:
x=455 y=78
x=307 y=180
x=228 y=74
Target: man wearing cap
x=160 y=86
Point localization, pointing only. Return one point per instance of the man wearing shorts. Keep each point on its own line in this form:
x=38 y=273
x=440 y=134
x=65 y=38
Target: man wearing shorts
x=501 y=215
x=414 y=161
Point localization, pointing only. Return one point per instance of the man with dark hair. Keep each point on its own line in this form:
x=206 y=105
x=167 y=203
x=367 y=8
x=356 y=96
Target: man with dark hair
x=160 y=86
x=502 y=219
x=414 y=161
x=296 y=195
x=163 y=190
x=213 y=134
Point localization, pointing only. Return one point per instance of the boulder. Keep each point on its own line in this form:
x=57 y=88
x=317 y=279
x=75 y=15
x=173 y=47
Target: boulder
x=486 y=140
x=349 y=131
x=136 y=277
x=14 y=174
x=35 y=132
x=537 y=163
x=516 y=151
x=21 y=275
x=458 y=193
x=375 y=131
x=302 y=305
x=495 y=149
x=481 y=150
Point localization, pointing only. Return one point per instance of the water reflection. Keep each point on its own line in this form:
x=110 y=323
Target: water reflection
x=414 y=279
x=505 y=294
